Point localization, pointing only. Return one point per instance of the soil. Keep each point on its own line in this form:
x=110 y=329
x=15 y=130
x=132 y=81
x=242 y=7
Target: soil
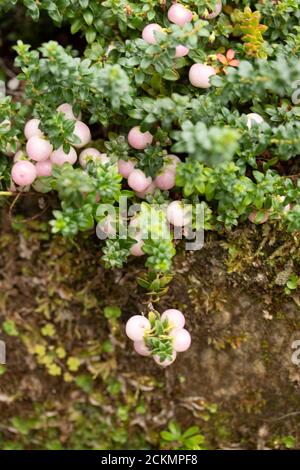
x=237 y=382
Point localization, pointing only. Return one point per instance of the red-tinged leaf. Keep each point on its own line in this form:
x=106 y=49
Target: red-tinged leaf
x=234 y=63
x=221 y=58
x=230 y=54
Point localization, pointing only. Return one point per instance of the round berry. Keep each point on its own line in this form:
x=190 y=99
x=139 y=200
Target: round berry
x=23 y=173
x=253 y=217
x=32 y=129
x=13 y=84
x=166 y=362
x=139 y=140
x=67 y=110
x=136 y=249
x=92 y=154
x=181 y=340
x=83 y=133
x=165 y=180
x=181 y=51
x=59 y=157
x=216 y=11
x=254 y=117
x=148 y=33
x=44 y=168
x=199 y=75
x=136 y=327
x=141 y=348
x=138 y=181
x=38 y=149
x=149 y=190
x=179 y=15
x=175 y=318
x=126 y=167
x=106 y=228
x=177 y=215
x=171 y=161
x=104 y=159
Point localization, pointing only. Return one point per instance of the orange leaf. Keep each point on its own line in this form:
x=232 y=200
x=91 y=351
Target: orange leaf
x=234 y=63
x=230 y=54
x=221 y=58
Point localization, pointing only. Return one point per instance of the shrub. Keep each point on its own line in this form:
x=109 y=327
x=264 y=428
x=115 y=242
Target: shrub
x=215 y=86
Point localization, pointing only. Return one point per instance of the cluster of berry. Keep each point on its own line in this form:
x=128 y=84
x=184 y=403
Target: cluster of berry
x=199 y=74
x=39 y=156
x=159 y=336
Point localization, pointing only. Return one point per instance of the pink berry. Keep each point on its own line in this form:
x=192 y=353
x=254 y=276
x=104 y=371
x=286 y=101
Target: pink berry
x=139 y=140
x=104 y=158
x=44 y=168
x=32 y=129
x=171 y=161
x=175 y=318
x=165 y=180
x=181 y=51
x=149 y=190
x=138 y=181
x=254 y=117
x=136 y=327
x=89 y=153
x=38 y=149
x=199 y=75
x=23 y=173
x=216 y=12
x=141 y=348
x=166 y=362
x=83 y=132
x=148 y=33
x=179 y=15
x=136 y=249
x=253 y=217
x=177 y=215
x=67 y=110
x=106 y=227
x=181 y=340
x=59 y=157
x=126 y=167
x=92 y=154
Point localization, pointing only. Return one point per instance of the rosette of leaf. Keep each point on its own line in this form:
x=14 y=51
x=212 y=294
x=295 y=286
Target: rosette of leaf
x=117 y=147
x=116 y=252
x=107 y=181
x=158 y=340
x=155 y=283
x=247 y=25
x=158 y=241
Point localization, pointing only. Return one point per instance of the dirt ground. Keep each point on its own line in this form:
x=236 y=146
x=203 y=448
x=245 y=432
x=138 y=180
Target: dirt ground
x=237 y=382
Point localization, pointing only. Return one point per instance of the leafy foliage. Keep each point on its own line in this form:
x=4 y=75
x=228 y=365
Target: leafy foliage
x=118 y=81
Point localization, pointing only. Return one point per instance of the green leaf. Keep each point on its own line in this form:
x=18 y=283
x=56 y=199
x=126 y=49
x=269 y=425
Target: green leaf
x=170 y=74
